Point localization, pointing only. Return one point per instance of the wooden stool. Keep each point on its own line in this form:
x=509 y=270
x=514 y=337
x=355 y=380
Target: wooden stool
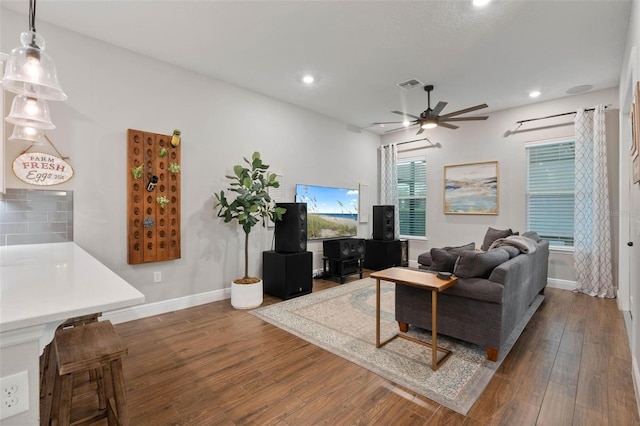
x=94 y=346
x=48 y=369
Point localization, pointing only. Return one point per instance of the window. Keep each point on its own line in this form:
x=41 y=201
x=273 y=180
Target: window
x=550 y=191
x=412 y=197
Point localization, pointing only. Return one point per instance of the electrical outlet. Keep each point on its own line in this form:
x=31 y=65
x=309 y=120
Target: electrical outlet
x=15 y=394
x=157 y=277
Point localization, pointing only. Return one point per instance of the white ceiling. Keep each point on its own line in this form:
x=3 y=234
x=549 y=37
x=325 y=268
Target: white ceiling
x=360 y=50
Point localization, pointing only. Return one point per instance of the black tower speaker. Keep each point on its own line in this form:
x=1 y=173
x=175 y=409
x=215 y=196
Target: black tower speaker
x=384 y=223
x=343 y=248
x=287 y=275
x=291 y=231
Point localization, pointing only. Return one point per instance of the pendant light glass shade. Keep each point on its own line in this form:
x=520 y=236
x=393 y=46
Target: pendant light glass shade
x=30 y=112
x=27 y=134
x=32 y=72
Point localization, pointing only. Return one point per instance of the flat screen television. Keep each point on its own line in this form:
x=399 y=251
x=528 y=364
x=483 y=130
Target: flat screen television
x=331 y=212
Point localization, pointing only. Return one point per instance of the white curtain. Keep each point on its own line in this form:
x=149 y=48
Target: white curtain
x=592 y=235
x=389 y=180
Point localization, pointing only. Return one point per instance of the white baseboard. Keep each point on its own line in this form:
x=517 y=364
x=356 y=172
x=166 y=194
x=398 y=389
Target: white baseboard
x=561 y=284
x=157 y=308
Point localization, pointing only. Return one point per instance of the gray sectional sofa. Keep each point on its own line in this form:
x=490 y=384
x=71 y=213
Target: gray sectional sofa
x=494 y=290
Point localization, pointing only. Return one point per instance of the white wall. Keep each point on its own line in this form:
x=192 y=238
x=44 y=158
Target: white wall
x=111 y=90
x=488 y=141
x=630 y=195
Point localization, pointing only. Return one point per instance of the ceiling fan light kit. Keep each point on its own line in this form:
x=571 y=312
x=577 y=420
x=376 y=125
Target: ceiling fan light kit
x=431 y=118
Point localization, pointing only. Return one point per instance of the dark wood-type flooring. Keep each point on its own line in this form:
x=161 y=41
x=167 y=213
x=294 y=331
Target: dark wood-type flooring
x=213 y=365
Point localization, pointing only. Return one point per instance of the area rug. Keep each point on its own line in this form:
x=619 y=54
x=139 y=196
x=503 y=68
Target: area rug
x=342 y=321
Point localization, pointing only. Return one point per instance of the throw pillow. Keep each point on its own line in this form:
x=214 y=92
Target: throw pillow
x=479 y=264
x=492 y=235
x=443 y=259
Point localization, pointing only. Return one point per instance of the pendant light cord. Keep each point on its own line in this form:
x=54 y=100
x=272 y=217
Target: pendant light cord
x=32 y=15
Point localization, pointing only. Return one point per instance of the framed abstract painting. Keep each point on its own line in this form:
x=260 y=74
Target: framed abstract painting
x=471 y=188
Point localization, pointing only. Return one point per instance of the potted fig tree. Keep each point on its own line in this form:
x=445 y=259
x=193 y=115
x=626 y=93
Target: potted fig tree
x=251 y=205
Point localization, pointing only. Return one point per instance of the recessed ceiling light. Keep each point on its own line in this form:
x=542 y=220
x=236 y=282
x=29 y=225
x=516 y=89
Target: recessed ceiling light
x=534 y=94
x=308 y=79
x=406 y=123
x=480 y=3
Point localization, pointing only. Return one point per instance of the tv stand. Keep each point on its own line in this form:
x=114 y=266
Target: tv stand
x=342 y=267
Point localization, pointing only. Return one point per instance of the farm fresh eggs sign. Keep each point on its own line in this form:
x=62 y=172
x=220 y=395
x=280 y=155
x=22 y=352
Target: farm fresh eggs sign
x=41 y=169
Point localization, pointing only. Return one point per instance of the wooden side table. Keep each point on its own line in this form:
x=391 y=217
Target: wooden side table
x=426 y=281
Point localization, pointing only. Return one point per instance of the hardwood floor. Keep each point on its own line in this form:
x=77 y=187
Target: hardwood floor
x=213 y=365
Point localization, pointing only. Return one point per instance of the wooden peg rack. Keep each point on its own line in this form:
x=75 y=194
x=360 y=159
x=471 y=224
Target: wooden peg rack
x=153 y=230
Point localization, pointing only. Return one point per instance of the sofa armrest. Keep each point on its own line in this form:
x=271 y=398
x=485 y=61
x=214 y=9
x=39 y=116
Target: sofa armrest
x=425 y=259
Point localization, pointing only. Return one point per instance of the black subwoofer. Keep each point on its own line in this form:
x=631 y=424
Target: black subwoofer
x=287 y=275
x=291 y=231
x=384 y=223
x=383 y=254
x=343 y=248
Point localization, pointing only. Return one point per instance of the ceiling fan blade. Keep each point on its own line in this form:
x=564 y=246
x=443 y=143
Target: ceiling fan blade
x=420 y=131
x=386 y=122
x=484 y=117
x=406 y=115
x=438 y=109
x=447 y=125
x=464 y=111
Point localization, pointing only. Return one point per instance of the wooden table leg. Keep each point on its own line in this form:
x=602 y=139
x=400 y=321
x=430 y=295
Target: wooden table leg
x=434 y=333
x=377 y=312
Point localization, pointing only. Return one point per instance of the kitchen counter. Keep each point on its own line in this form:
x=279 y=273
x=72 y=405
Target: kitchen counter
x=43 y=283
x=41 y=286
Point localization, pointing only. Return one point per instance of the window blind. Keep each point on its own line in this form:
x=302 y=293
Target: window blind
x=412 y=197
x=550 y=191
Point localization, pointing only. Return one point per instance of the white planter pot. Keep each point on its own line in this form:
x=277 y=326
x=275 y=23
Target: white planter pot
x=246 y=296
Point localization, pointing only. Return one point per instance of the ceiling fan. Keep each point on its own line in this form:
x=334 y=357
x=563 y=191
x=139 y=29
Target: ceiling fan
x=431 y=118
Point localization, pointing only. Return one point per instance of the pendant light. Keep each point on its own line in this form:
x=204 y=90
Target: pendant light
x=27 y=134
x=30 y=71
x=30 y=112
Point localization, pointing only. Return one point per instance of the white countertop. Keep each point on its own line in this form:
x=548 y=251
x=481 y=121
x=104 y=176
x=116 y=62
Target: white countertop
x=45 y=283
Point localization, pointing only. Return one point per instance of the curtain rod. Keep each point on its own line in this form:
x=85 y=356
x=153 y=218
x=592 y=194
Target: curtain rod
x=415 y=140
x=554 y=116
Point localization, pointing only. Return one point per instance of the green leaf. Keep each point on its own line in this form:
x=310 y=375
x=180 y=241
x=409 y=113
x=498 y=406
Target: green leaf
x=238 y=170
x=255 y=155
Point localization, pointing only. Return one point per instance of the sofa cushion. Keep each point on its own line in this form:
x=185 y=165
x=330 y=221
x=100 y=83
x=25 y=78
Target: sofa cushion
x=443 y=259
x=476 y=288
x=492 y=235
x=474 y=264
